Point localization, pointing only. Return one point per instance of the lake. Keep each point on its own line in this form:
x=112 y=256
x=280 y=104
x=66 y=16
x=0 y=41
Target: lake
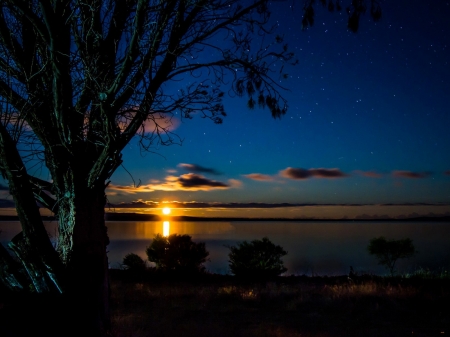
x=314 y=248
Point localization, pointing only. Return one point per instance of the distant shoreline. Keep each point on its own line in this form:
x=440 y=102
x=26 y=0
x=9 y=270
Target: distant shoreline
x=154 y=217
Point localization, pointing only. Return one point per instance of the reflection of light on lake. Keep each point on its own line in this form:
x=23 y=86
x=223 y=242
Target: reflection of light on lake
x=166 y=228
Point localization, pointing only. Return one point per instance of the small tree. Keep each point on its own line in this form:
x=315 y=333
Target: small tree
x=177 y=253
x=133 y=262
x=256 y=259
x=389 y=251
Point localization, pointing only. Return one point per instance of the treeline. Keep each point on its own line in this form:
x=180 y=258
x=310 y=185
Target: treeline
x=258 y=259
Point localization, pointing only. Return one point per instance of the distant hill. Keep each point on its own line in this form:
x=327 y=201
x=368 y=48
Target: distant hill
x=154 y=217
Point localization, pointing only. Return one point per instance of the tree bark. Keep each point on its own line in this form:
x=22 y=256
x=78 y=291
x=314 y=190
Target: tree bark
x=10 y=272
x=82 y=244
x=84 y=298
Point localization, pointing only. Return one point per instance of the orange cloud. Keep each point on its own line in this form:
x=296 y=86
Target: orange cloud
x=155 y=121
x=161 y=122
x=258 y=177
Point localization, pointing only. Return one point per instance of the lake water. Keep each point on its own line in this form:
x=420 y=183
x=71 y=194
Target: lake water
x=319 y=248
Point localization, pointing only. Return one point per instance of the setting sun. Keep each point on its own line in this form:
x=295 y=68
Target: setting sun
x=166 y=210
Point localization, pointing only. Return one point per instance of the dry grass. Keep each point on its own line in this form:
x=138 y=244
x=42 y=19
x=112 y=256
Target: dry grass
x=221 y=306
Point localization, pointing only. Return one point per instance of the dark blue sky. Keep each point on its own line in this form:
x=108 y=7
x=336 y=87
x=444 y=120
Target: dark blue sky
x=368 y=122
x=366 y=133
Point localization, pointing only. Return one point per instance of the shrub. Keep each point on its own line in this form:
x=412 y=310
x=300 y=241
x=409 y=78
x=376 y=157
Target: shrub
x=256 y=259
x=177 y=253
x=133 y=262
x=389 y=251
x=427 y=274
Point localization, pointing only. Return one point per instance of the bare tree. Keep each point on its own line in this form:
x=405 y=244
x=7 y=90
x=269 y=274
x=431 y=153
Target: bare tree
x=78 y=80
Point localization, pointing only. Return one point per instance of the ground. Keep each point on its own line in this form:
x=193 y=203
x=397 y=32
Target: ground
x=151 y=304
x=288 y=306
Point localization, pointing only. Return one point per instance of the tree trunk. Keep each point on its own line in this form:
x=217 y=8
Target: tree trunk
x=82 y=245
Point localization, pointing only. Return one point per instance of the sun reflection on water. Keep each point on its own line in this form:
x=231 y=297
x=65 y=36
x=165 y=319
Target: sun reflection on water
x=166 y=228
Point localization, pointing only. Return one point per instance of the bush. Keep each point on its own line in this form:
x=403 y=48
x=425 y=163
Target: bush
x=389 y=251
x=133 y=262
x=177 y=253
x=257 y=259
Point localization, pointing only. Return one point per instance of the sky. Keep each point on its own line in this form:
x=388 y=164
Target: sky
x=366 y=134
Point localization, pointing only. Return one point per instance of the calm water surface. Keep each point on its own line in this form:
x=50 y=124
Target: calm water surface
x=322 y=248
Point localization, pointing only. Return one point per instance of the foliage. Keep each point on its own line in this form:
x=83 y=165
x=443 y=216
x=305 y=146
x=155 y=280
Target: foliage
x=177 y=253
x=389 y=251
x=256 y=259
x=354 y=11
x=133 y=262
x=427 y=274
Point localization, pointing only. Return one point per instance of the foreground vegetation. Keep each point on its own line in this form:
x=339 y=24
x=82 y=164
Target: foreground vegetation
x=178 y=298
x=152 y=303
x=219 y=305
x=256 y=301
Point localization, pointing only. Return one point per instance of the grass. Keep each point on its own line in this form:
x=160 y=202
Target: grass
x=215 y=305
x=155 y=304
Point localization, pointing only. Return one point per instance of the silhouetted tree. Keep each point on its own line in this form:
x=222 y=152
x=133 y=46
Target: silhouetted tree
x=133 y=262
x=354 y=11
x=260 y=259
x=177 y=253
x=79 y=79
x=389 y=251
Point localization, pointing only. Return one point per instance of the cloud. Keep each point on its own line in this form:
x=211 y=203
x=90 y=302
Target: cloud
x=159 y=122
x=194 y=204
x=185 y=182
x=198 y=182
x=198 y=169
x=447 y=173
x=129 y=189
x=258 y=177
x=136 y=204
x=234 y=183
x=410 y=174
x=301 y=174
x=369 y=174
x=156 y=123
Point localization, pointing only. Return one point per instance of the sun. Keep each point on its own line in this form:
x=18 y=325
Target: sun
x=166 y=210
